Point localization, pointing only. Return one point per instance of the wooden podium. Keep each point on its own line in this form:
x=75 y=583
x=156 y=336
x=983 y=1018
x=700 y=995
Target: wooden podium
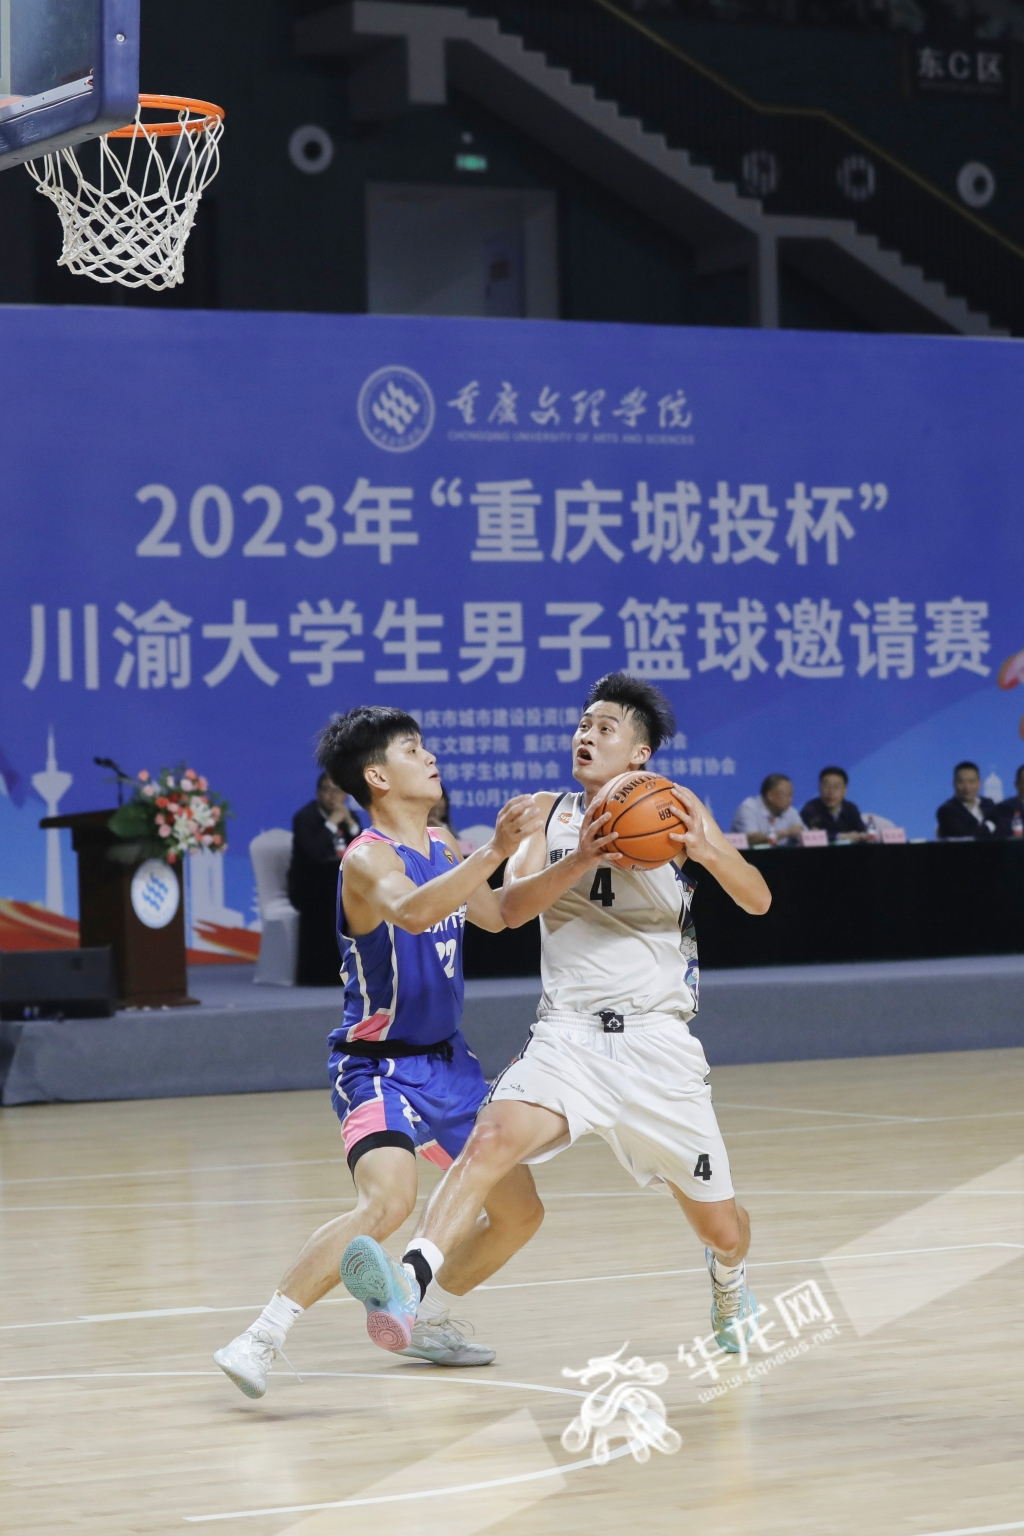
x=150 y=962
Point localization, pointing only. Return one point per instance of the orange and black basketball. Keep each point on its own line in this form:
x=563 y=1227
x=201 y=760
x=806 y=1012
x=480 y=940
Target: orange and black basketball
x=640 y=805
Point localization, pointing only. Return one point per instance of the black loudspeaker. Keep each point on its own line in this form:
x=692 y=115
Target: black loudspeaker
x=57 y=983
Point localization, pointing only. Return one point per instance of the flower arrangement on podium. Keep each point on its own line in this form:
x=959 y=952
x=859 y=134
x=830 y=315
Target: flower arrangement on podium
x=168 y=816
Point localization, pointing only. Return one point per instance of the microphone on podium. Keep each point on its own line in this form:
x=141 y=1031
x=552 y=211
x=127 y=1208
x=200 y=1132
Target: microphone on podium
x=122 y=777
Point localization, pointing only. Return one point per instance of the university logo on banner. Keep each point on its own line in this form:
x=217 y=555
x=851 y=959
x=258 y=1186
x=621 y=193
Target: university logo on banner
x=396 y=409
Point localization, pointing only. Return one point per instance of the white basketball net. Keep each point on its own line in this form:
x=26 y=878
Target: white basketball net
x=131 y=228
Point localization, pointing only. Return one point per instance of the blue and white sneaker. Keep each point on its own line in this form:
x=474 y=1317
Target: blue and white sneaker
x=391 y=1299
x=731 y=1306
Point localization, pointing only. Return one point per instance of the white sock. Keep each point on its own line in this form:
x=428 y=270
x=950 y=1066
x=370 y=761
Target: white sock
x=430 y=1252
x=277 y=1317
x=436 y=1304
x=728 y=1276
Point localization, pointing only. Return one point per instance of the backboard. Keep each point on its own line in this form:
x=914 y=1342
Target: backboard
x=69 y=71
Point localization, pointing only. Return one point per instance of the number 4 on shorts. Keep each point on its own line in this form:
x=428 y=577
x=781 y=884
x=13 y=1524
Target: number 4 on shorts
x=703 y=1168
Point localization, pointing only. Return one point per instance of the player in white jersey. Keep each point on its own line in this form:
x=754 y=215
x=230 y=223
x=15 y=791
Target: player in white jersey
x=611 y=1050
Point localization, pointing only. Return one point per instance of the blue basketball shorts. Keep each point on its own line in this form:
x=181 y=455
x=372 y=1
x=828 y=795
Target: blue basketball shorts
x=424 y=1103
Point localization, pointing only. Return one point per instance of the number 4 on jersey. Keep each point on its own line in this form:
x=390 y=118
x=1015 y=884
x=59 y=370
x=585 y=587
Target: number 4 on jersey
x=601 y=890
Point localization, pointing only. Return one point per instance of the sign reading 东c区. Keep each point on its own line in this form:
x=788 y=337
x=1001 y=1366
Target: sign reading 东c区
x=978 y=69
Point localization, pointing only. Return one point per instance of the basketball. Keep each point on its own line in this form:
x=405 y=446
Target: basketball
x=640 y=805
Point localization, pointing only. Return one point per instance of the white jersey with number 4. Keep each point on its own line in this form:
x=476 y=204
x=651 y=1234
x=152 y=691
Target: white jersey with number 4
x=618 y=941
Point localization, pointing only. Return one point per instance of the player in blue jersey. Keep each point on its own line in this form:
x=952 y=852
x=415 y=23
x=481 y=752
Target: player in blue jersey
x=403 y=1078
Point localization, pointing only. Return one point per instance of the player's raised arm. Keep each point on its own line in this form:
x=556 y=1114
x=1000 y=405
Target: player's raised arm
x=482 y=908
x=531 y=884
x=703 y=840
x=377 y=888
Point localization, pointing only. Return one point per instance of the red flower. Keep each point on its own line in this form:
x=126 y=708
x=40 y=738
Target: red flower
x=161 y=801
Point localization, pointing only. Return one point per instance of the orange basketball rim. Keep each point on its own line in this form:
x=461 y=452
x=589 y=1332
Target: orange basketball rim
x=202 y=116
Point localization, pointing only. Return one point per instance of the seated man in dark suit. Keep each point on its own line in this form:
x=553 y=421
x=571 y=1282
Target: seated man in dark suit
x=831 y=812
x=321 y=832
x=968 y=813
x=1010 y=813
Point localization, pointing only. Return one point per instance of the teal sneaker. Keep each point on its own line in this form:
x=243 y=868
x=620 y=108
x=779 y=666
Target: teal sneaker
x=731 y=1307
x=391 y=1299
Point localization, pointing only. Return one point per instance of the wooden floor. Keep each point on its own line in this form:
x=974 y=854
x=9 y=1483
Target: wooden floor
x=136 y=1238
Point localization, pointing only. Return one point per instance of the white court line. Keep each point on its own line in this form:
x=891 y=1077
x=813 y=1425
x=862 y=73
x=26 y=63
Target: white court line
x=878 y=1294
x=416 y=1376
x=317 y=1162
x=124 y=1317
x=814 y=1130
x=171 y=1205
x=112 y=1375
x=391 y=1377
x=656 y=1274
x=869 y=1125
x=598 y=1194
x=423 y=1493
x=517 y=1285
x=789 y=1109
x=174 y=1205
x=900 y=1253
x=988 y=1114
x=161 y=1173
x=980 y=1530
x=343 y=1204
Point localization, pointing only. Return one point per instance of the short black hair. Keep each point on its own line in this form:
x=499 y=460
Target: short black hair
x=324 y=778
x=1016 y=777
x=651 y=711
x=840 y=773
x=973 y=766
x=348 y=744
x=769 y=783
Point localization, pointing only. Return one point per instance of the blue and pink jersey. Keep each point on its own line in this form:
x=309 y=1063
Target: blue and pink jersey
x=405 y=988
x=398 y=985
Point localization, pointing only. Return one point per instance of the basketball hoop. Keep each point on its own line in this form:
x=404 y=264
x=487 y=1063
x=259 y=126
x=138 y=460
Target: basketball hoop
x=131 y=228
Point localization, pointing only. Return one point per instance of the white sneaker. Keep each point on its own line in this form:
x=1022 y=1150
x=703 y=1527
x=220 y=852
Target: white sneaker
x=247 y=1359
x=441 y=1342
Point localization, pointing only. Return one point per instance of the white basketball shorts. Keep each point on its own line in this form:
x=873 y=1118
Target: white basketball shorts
x=643 y=1090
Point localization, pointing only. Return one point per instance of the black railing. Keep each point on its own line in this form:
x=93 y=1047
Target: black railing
x=796 y=160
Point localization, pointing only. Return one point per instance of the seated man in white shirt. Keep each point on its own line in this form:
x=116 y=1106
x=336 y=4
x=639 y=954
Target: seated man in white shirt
x=769 y=817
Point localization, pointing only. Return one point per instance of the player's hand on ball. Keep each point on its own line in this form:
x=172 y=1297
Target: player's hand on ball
x=518 y=819
x=692 y=835
x=597 y=845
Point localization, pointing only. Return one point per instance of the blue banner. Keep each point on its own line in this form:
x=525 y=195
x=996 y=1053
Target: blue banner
x=219 y=528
